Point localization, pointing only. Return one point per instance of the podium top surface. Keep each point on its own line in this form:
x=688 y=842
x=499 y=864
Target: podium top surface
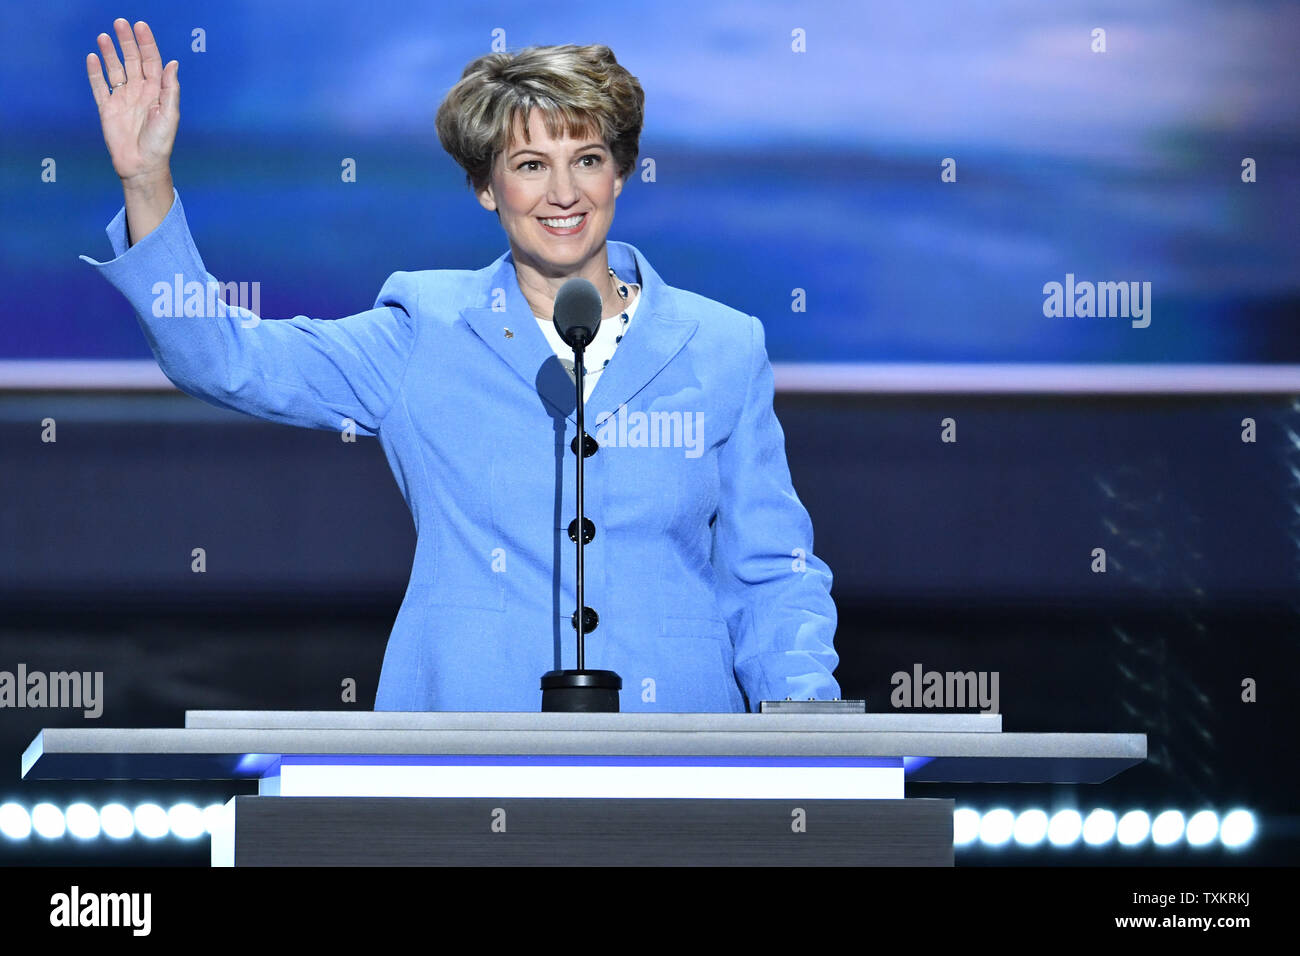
x=620 y=723
x=244 y=744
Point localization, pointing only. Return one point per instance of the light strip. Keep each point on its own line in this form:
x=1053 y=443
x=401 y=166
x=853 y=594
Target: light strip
x=574 y=778
x=998 y=829
x=1068 y=829
x=870 y=378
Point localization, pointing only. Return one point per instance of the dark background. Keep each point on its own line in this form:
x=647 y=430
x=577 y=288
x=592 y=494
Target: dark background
x=973 y=555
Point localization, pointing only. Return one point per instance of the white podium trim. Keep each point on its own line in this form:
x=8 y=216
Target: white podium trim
x=592 y=780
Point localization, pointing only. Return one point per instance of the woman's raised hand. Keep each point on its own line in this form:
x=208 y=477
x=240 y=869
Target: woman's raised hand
x=139 y=105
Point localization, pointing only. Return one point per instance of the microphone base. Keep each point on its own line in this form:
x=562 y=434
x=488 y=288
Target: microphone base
x=574 y=691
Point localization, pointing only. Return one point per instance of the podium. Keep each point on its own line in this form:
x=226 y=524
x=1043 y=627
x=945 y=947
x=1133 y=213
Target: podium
x=341 y=788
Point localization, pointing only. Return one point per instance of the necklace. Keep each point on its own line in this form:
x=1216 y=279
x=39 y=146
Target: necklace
x=621 y=288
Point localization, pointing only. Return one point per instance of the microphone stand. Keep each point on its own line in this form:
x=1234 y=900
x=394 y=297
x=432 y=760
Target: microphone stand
x=581 y=690
x=579 y=370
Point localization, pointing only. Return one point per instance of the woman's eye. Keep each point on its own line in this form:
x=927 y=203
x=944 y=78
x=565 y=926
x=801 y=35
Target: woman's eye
x=534 y=162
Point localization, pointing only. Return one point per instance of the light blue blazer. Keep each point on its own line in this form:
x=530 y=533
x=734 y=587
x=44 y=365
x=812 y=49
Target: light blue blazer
x=701 y=570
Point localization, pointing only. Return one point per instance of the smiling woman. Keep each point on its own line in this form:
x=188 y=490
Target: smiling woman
x=699 y=563
x=547 y=138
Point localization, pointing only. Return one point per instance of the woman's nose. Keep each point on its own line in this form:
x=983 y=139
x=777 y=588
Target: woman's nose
x=564 y=188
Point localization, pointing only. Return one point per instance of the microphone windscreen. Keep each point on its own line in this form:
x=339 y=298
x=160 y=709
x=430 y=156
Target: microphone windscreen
x=577 y=312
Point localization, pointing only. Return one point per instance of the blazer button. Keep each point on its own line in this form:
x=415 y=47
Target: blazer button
x=589 y=620
x=589 y=446
x=588 y=530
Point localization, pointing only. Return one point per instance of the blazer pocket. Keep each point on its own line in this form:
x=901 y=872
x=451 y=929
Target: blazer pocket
x=707 y=643
x=709 y=627
x=482 y=597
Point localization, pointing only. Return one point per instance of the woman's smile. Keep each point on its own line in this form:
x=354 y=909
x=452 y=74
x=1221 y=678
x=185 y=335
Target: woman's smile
x=566 y=226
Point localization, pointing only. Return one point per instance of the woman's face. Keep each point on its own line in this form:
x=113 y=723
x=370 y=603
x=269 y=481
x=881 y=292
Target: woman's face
x=553 y=179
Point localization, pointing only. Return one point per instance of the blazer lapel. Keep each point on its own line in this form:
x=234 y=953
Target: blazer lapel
x=655 y=335
x=525 y=348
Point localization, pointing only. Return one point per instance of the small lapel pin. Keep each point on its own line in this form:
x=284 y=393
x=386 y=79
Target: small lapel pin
x=509 y=334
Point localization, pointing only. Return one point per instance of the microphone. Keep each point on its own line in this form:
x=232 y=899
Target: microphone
x=577 y=320
x=577 y=315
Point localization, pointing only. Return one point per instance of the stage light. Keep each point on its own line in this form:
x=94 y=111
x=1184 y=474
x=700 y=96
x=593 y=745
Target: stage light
x=1237 y=828
x=83 y=821
x=1099 y=828
x=1031 y=828
x=1133 y=828
x=15 y=823
x=151 y=821
x=186 y=821
x=996 y=826
x=965 y=827
x=47 y=820
x=1202 y=828
x=1064 y=828
x=1167 y=828
x=117 y=821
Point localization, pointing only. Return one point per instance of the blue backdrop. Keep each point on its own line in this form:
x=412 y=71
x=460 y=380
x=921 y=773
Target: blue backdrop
x=774 y=170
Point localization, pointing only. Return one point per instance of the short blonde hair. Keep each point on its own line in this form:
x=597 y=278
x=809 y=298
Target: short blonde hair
x=579 y=89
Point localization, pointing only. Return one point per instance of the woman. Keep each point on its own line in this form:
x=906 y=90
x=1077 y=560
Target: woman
x=700 y=570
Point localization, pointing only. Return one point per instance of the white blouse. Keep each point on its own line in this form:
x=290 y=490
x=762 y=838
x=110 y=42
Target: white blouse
x=597 y=355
